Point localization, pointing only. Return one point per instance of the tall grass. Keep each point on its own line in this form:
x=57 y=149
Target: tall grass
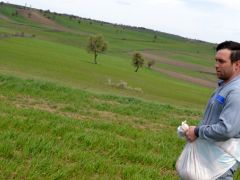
x=49 y=131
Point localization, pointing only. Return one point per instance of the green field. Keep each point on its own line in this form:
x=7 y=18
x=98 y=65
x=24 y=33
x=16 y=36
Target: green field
x=60 y=56
x=49 y=131
x=64 y=117
x=73 y=67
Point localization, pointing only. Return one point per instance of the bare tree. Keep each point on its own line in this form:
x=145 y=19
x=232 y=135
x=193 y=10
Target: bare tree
x=96 y=45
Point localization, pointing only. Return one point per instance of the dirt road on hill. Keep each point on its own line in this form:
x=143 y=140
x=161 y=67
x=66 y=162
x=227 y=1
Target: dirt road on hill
x=180 y=76
x=193 y=67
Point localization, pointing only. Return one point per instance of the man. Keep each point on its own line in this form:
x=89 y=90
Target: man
x=221 y=119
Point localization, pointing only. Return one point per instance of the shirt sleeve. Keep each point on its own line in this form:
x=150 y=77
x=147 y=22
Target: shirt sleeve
x=228 y=125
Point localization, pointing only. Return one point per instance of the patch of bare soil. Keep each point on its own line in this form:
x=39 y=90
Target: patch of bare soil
x=35 y=16
x=30 y=102
x=56 y=108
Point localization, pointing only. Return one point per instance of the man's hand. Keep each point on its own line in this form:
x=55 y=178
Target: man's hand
x=190 y=135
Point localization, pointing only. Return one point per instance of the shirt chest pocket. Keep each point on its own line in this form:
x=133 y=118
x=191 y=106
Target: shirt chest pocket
x=215 y=108
x=217 y=105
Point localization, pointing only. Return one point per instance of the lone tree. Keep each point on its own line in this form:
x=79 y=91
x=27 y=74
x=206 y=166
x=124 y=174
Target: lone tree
x=137 y=61
x=96 y=45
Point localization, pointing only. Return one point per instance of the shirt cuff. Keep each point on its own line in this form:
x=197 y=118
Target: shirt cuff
x=196 y=131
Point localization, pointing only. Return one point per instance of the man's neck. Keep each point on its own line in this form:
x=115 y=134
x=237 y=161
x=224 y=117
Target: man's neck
x=230 y=79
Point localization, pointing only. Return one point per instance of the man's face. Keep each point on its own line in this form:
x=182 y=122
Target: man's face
x=224 y=68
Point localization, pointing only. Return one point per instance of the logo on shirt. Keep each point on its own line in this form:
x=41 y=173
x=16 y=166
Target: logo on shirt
x=220 y=99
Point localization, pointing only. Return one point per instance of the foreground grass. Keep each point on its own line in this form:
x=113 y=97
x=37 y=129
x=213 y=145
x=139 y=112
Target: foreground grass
x=53 y=132
x=48 y=131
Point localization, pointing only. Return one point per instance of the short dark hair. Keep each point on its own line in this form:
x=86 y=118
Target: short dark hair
x=235 y=55
x=233 y=46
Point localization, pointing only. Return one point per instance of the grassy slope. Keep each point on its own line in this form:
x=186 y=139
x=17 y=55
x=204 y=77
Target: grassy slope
x=71 y=66
x=122 y=40
x=62 y=62
x=48 y=131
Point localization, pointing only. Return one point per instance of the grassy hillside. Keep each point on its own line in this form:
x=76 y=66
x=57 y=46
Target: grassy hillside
x=53 y=132
x=72 y=66
x=63 y=117
x=49 y=131
x=51 y=47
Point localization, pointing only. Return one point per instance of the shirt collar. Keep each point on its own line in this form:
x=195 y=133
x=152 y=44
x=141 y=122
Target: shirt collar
x=221 y=82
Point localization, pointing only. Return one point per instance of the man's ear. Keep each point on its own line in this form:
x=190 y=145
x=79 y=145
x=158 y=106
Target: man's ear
x=237 y=63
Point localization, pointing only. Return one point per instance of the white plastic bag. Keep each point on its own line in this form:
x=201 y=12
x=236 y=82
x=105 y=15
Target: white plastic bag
x=202 y=160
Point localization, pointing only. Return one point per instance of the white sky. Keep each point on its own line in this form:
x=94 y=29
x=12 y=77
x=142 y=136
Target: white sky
x=209 y=20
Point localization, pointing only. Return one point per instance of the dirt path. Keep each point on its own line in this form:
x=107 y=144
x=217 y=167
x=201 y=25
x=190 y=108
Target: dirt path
x=190 y=66
x=194 y=67
x=180 y=76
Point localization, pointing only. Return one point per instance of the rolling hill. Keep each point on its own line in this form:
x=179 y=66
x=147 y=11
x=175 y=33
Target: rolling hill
x=64 y=117
x=51 y=46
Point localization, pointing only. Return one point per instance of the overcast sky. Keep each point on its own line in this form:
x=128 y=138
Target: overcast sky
x=209 y=20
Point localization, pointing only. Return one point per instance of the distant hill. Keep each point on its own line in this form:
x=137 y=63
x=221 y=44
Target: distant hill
x=51 y=46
